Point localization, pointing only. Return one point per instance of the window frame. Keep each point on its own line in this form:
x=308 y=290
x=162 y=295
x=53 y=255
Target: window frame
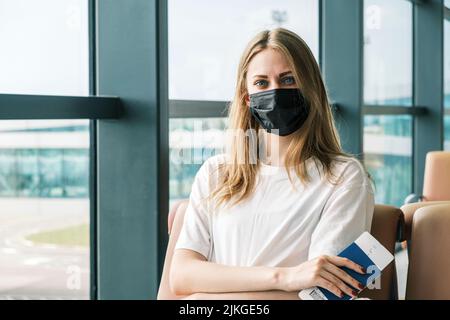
x=129 y=266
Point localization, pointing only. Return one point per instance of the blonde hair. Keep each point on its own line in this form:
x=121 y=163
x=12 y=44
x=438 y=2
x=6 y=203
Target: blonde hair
x=318 y=137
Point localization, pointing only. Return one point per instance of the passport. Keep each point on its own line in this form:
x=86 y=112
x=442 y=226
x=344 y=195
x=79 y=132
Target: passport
x=366 y=251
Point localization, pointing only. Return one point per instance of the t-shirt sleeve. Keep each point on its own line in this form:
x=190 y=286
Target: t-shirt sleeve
x=346 y=215
x=195 y=233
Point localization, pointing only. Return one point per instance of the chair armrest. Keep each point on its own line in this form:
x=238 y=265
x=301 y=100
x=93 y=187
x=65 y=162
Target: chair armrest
x=411 y=208
x=413 y=198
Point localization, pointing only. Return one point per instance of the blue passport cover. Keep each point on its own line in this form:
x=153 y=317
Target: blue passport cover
x=355 y=253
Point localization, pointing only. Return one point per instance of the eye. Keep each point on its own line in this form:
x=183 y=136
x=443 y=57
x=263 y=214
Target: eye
x=288 y=80
x=261 y=83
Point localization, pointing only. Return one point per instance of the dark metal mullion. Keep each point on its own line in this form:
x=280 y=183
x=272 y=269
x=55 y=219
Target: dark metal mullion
x=320 y=34
x=163 y=132
x=128 y=47
x=92 y=153
x=418 y=2
x=197 y=109
x=446 y=9
x=342 y=66
x=25 y=106
x=394 y=110
x=428 y=83
x=413 y=124
x=93 y=205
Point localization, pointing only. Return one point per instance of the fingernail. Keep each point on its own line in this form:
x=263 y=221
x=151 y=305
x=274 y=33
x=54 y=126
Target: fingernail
x=360 y=286
x=354 y=293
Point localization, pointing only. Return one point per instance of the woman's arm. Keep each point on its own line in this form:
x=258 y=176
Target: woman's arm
x=192 y=273
x=262 y=295
x=164 y=292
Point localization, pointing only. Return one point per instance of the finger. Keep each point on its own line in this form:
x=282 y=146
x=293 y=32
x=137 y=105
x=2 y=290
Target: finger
x=338 y=283
x=326 y=284
x=345 y=262
x=344 y=276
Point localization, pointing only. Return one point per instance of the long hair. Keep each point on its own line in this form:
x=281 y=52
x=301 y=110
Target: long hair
x=317 y=139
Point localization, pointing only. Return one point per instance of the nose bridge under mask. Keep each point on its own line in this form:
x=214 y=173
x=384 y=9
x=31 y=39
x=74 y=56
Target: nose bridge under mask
x=282 y=109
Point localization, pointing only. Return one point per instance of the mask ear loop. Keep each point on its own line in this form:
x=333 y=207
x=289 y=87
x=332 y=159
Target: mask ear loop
x=253 y=137
x=249 y=134
x=255 y=142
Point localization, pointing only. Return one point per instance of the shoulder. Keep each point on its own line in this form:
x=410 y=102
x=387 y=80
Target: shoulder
x=217 y=159
x=214 y=162
x=350 y=172
x=209 y=169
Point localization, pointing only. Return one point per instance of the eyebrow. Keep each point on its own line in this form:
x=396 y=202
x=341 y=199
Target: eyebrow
x=280 y=75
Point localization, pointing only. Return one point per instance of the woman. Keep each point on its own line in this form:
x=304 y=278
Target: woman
x=267 y=218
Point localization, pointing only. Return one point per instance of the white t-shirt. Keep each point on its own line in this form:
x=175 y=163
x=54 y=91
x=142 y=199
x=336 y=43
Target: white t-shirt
x=278 y=226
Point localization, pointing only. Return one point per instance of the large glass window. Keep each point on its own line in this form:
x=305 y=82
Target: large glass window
x=387 y=52
x=192 y=141
x=388 y=152
x=44 y=164
x=44 y=47
x=206 y=40
x=388 y=81
x=203 y=63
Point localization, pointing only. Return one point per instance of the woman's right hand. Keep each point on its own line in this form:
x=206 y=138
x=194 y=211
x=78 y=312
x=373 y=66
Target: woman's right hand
x=323 y=271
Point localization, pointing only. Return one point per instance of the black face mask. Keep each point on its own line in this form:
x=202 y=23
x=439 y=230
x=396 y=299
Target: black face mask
x=282 y=109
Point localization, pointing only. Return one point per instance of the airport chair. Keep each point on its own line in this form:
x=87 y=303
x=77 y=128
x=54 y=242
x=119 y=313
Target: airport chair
x=429 y=258
x=436 y=187
x=387 y=227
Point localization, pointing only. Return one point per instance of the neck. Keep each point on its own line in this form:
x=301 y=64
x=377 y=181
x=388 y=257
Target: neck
x=276 y=148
